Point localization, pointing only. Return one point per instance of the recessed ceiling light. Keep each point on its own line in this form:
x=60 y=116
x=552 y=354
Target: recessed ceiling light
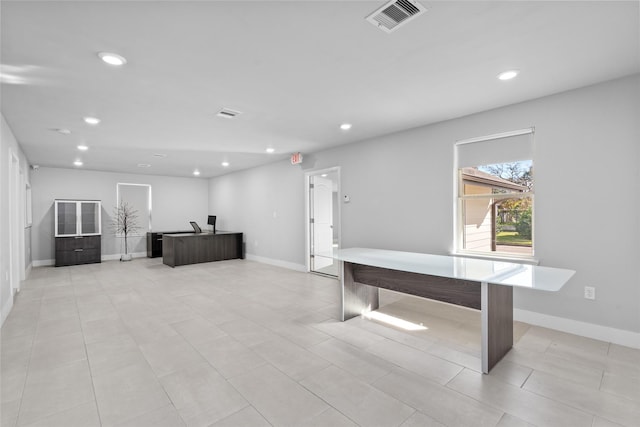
x=345 y=126
x=112 y=58
x=324 y=175
x=144 y=165
x=91 y=120
x=270 y=150
x=225 y=164
x=62 y=131
x=196 y=172
x=83 y=147
x=77 y=163
x=508 y=75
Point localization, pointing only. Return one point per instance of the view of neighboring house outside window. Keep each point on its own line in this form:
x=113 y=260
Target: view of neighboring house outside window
x=495 y=200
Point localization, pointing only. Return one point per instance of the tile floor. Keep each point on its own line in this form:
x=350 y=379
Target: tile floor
x=239 y=343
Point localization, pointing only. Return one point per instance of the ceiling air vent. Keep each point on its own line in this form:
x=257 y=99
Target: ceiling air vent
x=228 y=113
x=395 y=14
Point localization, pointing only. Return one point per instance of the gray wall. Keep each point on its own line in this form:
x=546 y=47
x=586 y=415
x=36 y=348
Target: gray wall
x=176 y=201
x=586 y=204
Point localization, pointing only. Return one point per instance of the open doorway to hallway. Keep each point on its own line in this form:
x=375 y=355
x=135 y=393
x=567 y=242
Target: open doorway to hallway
x=323 y=220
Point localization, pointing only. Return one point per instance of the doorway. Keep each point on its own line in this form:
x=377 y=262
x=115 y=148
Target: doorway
x=323 y=215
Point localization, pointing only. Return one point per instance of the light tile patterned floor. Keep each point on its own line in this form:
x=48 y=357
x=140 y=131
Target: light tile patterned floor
x=239 y=343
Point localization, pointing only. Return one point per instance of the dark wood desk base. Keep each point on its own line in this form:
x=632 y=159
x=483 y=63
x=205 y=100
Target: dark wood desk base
x=154 y=241
x=183 y=249
x=360 y=285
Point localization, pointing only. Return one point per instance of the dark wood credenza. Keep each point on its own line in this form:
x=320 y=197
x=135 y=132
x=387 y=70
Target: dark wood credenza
x=154 y=241
x=194 y=248
x=78 y=250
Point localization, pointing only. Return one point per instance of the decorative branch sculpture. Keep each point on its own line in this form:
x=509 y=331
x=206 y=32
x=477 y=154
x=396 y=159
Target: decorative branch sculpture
x=125 y=223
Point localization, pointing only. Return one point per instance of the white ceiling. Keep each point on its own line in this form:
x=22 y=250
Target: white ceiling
x=296 y=69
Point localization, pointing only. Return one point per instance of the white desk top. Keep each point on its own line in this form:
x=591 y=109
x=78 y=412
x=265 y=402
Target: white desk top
x=477 y=270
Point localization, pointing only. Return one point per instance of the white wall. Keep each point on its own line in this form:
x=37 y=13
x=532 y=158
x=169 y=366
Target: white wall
x=587 y=197
x=8 y=148
x=176 y=201
x=264 y=203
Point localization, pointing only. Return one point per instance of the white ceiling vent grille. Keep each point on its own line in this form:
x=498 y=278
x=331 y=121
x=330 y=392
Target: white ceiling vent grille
x=228 y=113
x=395 y=14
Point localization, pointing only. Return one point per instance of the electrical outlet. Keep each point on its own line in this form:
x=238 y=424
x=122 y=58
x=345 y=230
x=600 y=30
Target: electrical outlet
x=589 y=292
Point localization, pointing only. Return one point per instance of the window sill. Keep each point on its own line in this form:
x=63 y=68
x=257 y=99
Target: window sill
x=505 y=258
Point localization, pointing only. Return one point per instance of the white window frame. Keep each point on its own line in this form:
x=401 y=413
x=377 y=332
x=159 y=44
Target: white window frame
x=141 y=232
x=458 y=198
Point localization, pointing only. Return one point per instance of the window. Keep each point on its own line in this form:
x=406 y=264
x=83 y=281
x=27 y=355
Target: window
x=138 y=198
x=494 y=195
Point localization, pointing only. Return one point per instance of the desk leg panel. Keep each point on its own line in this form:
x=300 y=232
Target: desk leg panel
x=356 y=297
x=168 y=253
x=497 y=324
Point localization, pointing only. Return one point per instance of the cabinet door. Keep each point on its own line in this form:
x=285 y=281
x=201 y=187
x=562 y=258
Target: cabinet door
x=66 y=218
x=89 y=217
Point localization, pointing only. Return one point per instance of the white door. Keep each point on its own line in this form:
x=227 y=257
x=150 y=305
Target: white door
x=321 y=193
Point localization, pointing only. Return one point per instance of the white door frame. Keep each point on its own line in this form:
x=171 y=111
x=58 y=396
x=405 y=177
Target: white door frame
x=22 y=221
x=307 y=212
x=16 y=225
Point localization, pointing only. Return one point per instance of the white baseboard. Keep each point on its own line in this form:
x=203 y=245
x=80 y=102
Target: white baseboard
x=277 y=262
x=28 y=270
x=112 y=257
x=584 y=329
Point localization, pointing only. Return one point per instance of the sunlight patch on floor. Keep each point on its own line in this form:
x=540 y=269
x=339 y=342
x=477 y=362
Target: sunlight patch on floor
x=394 y=321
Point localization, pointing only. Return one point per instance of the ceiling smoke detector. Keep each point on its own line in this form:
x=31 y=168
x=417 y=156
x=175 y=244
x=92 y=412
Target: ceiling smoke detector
x=228 y=113
x=395 y=13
